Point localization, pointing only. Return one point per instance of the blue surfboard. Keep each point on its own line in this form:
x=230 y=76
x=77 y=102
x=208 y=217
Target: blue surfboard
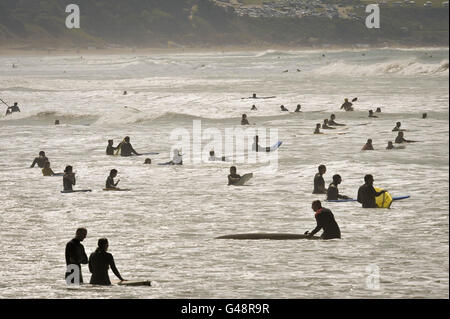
x=354 y=200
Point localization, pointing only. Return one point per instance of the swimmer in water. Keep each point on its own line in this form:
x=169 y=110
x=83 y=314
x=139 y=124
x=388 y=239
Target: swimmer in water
x=325 y=220
x=69 y=178
x=110 y=148
x=40 y=161
x=254 y=108
x=331 y=122
x=397 y=128
x=213 y=158
x=400 y=139
x=333 y=191
x=99 y=263
x=244 y=120
x=325 y=125
x=110 y=180
x=147 y=161
x=233 y=178
x=126 y=149
x=298 y=108
x=283 y=108
x=317 y=131
x=424 y=115
x=378 y=110
x=319 y=182
x=347 y=106
x=368 y=146
x=371 y=114
x=125 y=92
x=367 y=194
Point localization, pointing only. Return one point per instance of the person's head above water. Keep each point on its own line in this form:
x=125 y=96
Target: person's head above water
x=400 y=134
x=127 y=139
x=398 y=124
x=47 y=164
x=233 y=170
x=113 y=173
x=110 y=142
x=390 y=145
x=316 y=205
x=42 y=153
x=254 y=95
x=368 y=179
x=244 y=116
x=317 y=125
x=211 y=153
x=15 y=103
x=424 y=115
x=370 y=111
x=68 y=169
x=325 y=121
x=337 y=179
x=103 y=244
x=378 y=110
x=369 y=141
x=299 y=106
x=147 y=161
x=81 y=233
x=322 y=169
x=333 y=116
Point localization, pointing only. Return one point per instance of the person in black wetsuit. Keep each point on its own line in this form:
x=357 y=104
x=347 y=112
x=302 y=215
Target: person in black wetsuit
x=397 y=127
x=283 y=108
x=371 y=114
x=110 y=180
x=68 y=178
x=317 y=130
x=41 y=160
x=347 y=106
x=331 y=122
x=254 y=108
x=333 y=191
x=368 y=146
x=325 y=220
x=244 y=120
x=400 y=139
x=298 y=109
x=110 y=148
x=233 y=178
x=319 y=182
x=367 y=194
x=126 y=149
x=75 y=254
x=99 y=263
x=12 y=109
x=325 y=125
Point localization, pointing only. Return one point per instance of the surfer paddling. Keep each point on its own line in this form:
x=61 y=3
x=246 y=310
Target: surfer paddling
x=99 y=263
x=325 y=220
x=75 y=256
x=400 y=139
x=367 y=193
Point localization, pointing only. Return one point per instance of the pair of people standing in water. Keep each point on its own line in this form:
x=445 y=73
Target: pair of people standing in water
x=125 y=148
x=99 y=261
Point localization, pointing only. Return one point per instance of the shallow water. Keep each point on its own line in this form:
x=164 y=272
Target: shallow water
x=164 y=229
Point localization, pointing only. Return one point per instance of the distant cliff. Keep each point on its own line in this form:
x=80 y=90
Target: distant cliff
x=200 y=23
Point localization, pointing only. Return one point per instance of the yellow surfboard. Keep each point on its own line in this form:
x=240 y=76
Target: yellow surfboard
x=384 y=200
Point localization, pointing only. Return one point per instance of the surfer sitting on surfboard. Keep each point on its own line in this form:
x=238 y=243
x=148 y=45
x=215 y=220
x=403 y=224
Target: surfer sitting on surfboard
x=298 y=108
x=367 y=194
x=68 y=178
x=333 y=191
x=371 y=114
x=99 y=263
x=110 y=180
x=233 y=178
x=325 y=219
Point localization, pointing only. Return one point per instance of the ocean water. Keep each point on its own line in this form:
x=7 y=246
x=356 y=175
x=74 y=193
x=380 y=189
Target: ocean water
x=164 y=229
